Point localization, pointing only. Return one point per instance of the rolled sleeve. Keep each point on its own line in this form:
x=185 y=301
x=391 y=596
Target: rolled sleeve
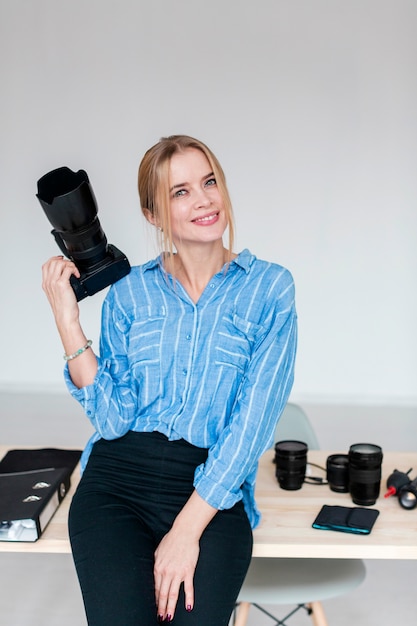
x=108 y=406
x=263 y=395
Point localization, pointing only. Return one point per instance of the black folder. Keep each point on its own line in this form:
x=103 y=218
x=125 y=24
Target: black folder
x=33 y=483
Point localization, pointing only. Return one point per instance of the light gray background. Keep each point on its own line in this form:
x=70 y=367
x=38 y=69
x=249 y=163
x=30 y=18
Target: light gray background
x=310 y=106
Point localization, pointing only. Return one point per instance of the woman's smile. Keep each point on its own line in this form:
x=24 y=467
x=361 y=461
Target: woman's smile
x=207 y=220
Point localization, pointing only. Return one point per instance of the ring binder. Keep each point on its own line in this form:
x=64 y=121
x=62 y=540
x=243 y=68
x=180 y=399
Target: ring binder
x=31 y=489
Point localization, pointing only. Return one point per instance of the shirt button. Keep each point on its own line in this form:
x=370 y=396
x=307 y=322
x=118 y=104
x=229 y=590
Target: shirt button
x=212 y=285
x=184 y=372
x=188 y=337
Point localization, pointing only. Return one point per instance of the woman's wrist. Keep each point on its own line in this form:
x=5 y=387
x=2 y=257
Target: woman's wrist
x=72 y=336
x=194 y=517
x=77 y=353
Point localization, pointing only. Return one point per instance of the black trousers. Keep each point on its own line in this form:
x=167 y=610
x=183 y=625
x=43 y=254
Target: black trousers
x=128 y=497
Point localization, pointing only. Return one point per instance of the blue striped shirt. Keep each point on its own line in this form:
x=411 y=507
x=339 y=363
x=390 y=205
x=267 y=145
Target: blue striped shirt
x=216 y=373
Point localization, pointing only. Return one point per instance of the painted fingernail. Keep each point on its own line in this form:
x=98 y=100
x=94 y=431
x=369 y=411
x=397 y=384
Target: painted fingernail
x=160 y=618
x=189 y=607
x=168 y=618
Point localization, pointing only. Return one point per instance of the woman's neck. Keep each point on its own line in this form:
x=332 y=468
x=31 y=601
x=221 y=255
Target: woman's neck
x=194 y=268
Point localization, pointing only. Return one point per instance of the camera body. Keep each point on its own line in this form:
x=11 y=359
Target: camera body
x=113 y=267
x=70 y=205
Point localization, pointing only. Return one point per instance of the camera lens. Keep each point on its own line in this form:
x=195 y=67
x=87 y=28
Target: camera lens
x=68 y=201
x=337 y=466
x=365 y=461
x=291 y=463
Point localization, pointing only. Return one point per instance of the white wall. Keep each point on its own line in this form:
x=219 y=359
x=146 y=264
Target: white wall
x=310 y=106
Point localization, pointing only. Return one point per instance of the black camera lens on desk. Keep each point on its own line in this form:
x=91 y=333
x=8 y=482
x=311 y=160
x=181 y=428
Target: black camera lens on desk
x=365 y=461
x=337 y=470
x=290 y=463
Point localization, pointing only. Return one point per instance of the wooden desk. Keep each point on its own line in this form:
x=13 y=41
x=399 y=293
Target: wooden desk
x=285 y=529
x=287 y=516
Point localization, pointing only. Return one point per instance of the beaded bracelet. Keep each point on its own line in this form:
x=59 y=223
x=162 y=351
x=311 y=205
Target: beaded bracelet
x=69 y=357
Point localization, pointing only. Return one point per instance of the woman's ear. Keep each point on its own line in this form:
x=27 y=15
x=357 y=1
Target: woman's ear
x=150 y=217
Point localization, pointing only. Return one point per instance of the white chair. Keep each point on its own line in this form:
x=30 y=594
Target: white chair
x=303 y=582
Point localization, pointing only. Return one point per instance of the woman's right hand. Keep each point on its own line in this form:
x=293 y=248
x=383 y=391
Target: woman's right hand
x=56 y=273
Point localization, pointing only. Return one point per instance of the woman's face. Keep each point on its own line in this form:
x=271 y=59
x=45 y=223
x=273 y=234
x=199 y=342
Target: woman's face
x=196 y=205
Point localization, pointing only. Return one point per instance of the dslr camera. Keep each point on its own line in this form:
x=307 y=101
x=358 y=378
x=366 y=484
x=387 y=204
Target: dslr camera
x=69 y=203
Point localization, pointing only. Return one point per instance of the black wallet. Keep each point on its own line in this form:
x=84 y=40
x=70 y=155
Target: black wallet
x=346 y=519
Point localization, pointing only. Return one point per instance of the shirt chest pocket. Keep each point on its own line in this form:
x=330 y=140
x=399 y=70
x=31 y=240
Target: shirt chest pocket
x=236 y=341
x=145 y=337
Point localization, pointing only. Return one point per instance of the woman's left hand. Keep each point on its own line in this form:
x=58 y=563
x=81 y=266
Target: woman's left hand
x=177 y=555
x=175 y=562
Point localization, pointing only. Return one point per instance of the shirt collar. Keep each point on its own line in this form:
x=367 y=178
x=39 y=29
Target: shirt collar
x=152 y=264
x=244 y=260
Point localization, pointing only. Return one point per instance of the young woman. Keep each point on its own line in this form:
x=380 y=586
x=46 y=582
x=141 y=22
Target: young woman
x=196 y=364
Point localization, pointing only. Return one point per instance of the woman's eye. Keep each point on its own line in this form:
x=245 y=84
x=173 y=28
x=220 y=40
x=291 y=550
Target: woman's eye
x=210 y=182
x=179 y=193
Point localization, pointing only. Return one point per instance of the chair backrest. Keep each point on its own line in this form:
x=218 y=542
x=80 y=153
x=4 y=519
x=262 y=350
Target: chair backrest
x=294 y=424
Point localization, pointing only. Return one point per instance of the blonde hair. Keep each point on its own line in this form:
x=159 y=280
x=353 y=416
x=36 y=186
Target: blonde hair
x=153 y=185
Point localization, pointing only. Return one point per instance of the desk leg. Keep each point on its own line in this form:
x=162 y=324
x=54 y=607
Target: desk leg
x=242 y=614
x=317 y=614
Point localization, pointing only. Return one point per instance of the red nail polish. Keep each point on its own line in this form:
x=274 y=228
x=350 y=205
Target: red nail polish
x=189 y=607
